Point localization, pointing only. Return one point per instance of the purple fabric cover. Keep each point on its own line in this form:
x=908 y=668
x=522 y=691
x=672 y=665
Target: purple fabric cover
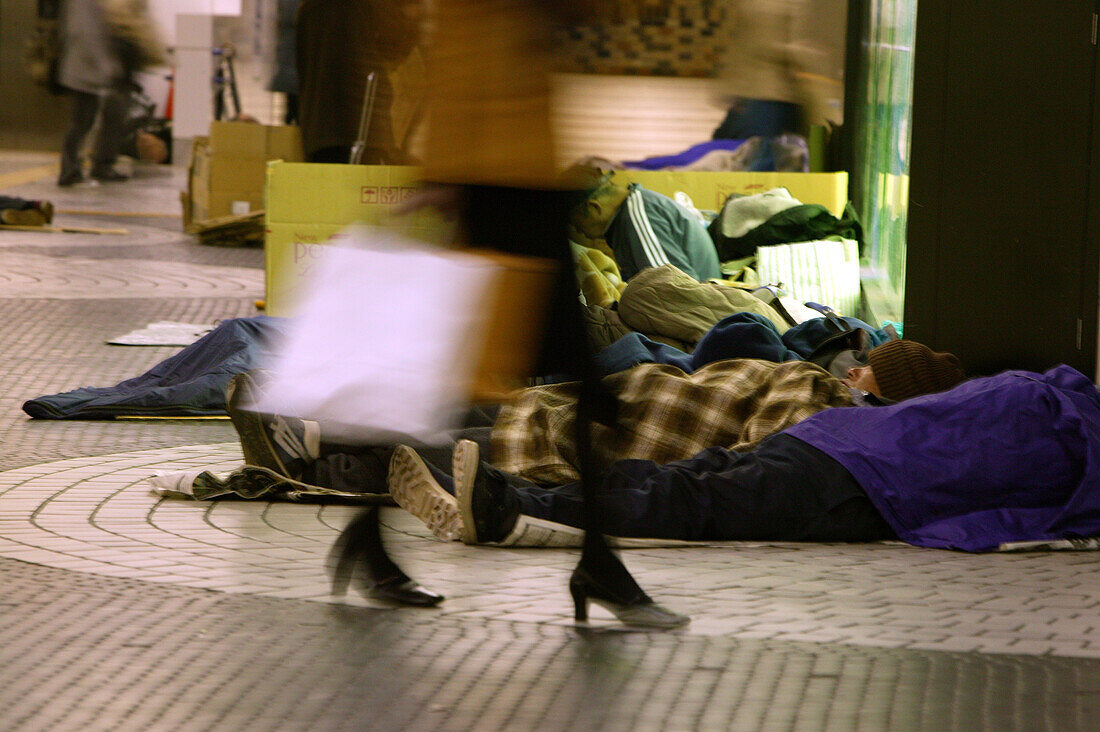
x=1012 y=457
x=681 y=159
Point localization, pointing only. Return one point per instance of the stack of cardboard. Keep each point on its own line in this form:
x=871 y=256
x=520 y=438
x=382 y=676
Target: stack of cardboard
x=245 y=230
x=228 y=168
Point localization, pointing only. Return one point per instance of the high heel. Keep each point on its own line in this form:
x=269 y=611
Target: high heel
x=600 y=575
x=358 y=555
x=631 y=605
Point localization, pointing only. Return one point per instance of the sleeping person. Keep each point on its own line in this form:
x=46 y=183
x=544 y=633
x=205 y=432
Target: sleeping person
x=664 y=415
x=644 y=229
x=995 y=460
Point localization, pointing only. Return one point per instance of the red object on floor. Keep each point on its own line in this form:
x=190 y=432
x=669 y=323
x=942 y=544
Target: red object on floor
x=168 y=102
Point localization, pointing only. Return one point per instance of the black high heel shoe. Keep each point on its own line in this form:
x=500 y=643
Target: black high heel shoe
x=358 y=555
x=612 y=587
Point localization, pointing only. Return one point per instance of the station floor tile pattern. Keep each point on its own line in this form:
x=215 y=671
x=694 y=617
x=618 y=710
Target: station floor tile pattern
x=783 y=636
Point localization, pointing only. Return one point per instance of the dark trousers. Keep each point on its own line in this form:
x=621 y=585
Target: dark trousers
x=785 y=490
x=290 y=116
x=334 y=154
x=111 y=109
x=364 y=468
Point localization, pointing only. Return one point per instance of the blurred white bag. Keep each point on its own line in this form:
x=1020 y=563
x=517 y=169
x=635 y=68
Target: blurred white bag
x=385 y=344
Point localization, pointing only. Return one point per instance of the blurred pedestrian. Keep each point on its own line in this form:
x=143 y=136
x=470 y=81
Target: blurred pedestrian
x=102 y=43
x=285 y=78
x=490 y=137
x=765 y=73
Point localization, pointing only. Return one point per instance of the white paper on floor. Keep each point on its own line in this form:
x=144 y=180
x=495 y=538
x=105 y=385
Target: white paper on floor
x=163 y=333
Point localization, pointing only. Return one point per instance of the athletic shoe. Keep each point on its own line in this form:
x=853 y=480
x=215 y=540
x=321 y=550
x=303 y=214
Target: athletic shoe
x=281 y=444
x=423 y=493
x=488 y=510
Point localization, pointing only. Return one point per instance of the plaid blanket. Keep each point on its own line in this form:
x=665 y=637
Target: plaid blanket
x=664 y=414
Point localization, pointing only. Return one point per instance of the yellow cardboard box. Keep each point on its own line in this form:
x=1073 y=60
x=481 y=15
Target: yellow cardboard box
x=709 y=189
x=306 y=203
x=290 y=252
x=251 y=140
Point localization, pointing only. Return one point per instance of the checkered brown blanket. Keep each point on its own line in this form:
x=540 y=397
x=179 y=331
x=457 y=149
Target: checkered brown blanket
x=665 y=414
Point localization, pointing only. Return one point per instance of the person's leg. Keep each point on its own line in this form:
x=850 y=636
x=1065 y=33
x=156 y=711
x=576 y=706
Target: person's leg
x=365 y=469
x=535 y=223
x=85 y=107
x=297 y=448
x=783 y=491
x=108 y=141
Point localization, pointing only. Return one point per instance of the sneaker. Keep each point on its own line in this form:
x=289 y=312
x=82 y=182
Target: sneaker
x=423 y=493
x=488 y=511
x=284 y=445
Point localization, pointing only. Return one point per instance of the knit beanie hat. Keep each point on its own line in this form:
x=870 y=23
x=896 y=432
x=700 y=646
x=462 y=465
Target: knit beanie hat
x=905 y=369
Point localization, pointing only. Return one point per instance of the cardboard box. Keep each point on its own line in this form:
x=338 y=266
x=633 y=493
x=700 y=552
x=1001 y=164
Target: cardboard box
x=256 y=141
x=306 y=203
x=228 y=169
x=709 y=190
x=290 y=252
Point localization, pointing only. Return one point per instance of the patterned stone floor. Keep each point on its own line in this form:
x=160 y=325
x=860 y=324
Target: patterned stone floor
x=123 y=609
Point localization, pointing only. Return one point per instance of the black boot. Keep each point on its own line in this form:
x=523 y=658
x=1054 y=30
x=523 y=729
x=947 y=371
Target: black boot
x=600 y=576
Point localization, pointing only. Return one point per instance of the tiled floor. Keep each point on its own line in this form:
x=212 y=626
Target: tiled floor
x=783 y=636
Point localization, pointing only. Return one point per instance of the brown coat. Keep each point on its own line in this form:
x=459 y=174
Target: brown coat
x=339 y=43
x=489 y=91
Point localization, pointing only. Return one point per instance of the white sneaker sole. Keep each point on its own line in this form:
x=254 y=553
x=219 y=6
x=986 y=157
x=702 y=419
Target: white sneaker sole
x=415 y=490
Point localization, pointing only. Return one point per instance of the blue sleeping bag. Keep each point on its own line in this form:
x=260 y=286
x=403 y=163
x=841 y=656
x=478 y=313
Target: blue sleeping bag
x=191 y=383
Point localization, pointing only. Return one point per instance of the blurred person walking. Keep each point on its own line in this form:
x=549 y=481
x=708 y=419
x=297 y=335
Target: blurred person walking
x=102 y=43
x=490 y=158
x=767 y=75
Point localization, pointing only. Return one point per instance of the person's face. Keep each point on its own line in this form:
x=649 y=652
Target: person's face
x=863 y=378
